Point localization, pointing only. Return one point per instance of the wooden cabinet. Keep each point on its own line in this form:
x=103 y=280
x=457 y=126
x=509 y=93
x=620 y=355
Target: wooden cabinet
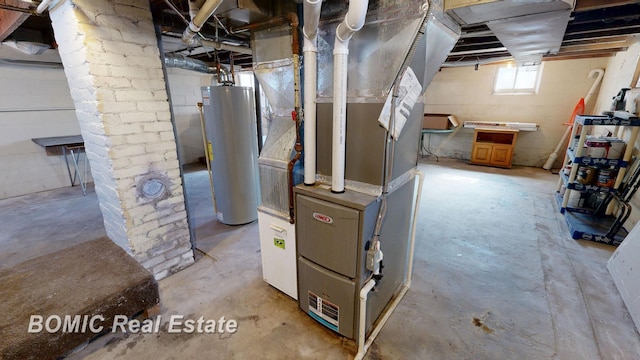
x=493 y=147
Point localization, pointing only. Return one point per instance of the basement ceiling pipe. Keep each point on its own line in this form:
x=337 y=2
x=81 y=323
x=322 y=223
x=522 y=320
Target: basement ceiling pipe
x=203 y=14
x=353 y=22
x=44 y=5
x=186 y=63
x=310 y=51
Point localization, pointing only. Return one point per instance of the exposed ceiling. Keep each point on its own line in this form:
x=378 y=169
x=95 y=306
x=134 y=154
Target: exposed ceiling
x=596 y=28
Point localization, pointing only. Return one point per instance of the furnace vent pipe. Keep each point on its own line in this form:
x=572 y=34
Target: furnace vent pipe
x=310 y=50
x=353 y=22
x=203 y=14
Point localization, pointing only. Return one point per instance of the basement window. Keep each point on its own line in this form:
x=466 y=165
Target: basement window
x=517 y=80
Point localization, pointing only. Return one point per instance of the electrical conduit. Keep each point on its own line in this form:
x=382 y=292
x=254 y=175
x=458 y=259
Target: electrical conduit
x=310 y=51
x=362 y=345
x=353 y=22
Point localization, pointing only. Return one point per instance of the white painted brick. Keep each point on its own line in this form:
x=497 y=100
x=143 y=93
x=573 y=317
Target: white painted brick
x=105 y=94
x=145 y=159
x=178 y=252
x=167 y=135
x=153 y=106
x=153 y=262
x=170 y=201
x=166 y=265
x=123 y=129
x=152 y=51
x=160 y=147
x=156 y=73
x=129 y=172
x=133 y=12
x=165 y=115
x=126 y=151
x=122 y=48
x=179 y=216
x=159 y=232
x=102 y=59
x=144 y=228
x=133 y=95
x=142 y=138
x=160 y=96
x=94 y=45
x=148 y=84
x=160 y=275
x=138 y=116
x=158 y=126
x=128 y=72
x=112 y=83
x=157 y=214
x=100 y=70
x=116 y=106
x=102 y=32
x=171 y=155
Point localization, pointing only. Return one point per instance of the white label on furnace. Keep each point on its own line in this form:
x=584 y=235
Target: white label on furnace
x=408 y=93
x=205 y=100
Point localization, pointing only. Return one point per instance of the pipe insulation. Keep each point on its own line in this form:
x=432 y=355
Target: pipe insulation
x=186 y=63
x=353 y=22
x=310 y=51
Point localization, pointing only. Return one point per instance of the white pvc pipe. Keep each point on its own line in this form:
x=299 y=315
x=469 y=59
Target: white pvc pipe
x=205 y=12
x=43 y=6
x=592 y=90
x=310 y=51
x=362 y=345
x=364 y=293
x=554 y=155
x=353 y=21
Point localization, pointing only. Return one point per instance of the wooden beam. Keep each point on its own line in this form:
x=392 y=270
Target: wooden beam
x=585 y=5
x=577 y=56
x=11 y=20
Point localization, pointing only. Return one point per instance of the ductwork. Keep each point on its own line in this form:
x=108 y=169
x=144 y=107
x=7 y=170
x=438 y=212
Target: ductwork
x=310 y=50
x=529 y=29
x=223 y=76
x=353 y=22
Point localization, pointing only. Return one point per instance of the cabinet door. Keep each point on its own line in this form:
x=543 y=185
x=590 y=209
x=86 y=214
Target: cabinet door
x=481 y=153
x=501 y=155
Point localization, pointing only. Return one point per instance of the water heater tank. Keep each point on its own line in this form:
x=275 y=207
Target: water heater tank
x=230 y=127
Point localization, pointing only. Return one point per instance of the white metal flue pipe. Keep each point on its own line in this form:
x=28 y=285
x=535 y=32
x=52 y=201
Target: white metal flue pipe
x=353 y=21
x=204 y=13
x=311 y=12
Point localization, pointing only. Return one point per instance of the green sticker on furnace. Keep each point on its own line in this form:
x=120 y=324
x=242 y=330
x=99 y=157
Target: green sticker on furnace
x=278 y=243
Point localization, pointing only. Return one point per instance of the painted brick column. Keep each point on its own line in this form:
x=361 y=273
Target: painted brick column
x=113 y=66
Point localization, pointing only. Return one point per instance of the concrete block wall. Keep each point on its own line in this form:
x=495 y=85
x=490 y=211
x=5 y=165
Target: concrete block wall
x=114 y=71
x=34 y=102
x=467 y=94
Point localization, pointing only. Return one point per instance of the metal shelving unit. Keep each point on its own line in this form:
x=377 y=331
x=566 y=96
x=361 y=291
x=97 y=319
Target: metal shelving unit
x=596 y=224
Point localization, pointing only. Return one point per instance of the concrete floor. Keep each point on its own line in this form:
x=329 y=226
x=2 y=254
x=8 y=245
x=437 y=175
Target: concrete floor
x=496 y=276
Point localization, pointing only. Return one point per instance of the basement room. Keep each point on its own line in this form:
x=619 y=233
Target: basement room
x=309 y=179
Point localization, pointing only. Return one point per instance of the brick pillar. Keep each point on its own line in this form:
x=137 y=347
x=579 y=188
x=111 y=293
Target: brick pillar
x=114 y=70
